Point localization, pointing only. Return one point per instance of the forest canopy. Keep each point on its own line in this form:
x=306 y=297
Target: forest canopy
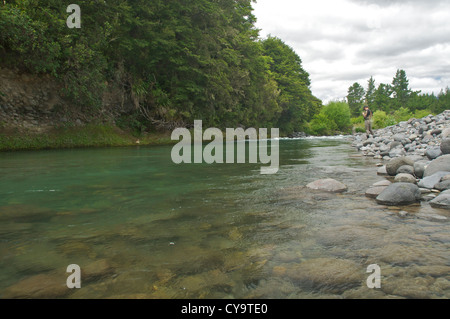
x=178 y=60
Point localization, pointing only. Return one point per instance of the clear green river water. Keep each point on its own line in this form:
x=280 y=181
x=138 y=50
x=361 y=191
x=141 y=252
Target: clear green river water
x=140 y=226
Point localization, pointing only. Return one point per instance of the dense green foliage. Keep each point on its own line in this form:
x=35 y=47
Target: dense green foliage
x=178 y=60
x=390 y=103
x=355 y=98
x=91 y=135
x=333 y=118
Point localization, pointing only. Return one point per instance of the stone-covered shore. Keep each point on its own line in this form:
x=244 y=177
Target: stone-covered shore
x=415 y=158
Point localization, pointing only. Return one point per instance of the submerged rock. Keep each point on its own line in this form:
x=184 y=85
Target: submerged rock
x=24 y=213
x=327 y=274
x=382 y=183
x=98 y=269
x=328 y=185
x=39 y=287
x=382 y=171
x=373 y=192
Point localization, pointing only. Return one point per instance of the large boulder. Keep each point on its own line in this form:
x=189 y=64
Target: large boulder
x=445 y=146
x=441 y=201
x=328 y=185
x=440 y=164
x=394 y=164
x=430 y=181
x=443 y=185
x=399 y=194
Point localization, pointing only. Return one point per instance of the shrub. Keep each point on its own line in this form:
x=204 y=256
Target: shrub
x=339 y=112
x=334 y=117
x=379 y=119
x=322 y=125
x=422 y=113
x=382 y=120
x=360 y=128
x=357 y=120
x=402 y=114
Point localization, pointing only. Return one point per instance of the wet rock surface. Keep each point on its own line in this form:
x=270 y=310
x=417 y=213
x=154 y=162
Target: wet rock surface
x=399 y=194
x=328 y=185
x=415 y=152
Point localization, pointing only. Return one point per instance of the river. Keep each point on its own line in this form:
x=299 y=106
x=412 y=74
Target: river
x=140 y=226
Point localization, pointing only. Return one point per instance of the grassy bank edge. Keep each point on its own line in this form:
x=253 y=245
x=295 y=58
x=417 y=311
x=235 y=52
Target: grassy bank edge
x=92 y=135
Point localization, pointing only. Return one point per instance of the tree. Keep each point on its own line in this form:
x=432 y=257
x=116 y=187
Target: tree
x=334 y=117
x=355 y=99
x=172 y=61
x=339 y=112
x=382 y=97
x=443 y=101
x=370 y=94
x=297 y=103
x=397 y=100
x=400 y=87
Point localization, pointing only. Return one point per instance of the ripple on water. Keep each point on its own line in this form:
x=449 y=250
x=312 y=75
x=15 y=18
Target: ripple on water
x=230 y=233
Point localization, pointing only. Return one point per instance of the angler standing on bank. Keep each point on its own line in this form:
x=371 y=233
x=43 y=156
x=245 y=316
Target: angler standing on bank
x=368 y=114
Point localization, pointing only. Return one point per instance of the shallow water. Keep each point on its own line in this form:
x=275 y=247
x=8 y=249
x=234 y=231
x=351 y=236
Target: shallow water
x=140 y=226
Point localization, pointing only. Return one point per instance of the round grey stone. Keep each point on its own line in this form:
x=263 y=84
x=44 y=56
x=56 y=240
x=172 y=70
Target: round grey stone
x=405 y=169
x=399 y=194
x=405 y=178
x=445 y=146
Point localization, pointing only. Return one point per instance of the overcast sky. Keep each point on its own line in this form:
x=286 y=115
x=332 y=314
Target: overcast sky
x=345 y=41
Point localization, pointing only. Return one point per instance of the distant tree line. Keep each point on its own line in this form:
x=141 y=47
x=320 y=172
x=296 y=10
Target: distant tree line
x=178 y=60
x=396 y=98
x=391 y=104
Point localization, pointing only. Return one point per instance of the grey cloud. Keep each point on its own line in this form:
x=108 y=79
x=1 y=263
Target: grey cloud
x=340 y=49
x=387 y=3
x=403 y=43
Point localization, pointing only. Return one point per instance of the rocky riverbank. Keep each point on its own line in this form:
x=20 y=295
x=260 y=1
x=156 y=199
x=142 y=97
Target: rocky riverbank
x=415 y=159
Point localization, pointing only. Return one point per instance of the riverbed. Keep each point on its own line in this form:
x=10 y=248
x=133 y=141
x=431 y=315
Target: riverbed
x=140 y=226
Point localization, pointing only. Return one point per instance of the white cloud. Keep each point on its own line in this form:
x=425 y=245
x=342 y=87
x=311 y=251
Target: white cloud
x=345 y=41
